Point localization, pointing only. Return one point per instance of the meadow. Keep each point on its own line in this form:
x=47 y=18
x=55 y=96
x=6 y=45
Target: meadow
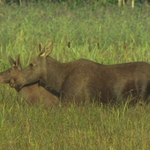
x=105 y=34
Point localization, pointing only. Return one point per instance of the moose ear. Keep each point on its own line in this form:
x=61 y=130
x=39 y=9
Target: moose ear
x=18 y=63
x=12 y=62
x=47 y=50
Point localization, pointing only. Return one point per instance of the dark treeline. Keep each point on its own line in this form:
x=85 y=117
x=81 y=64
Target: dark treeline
x=69 y=2
x=72 y=2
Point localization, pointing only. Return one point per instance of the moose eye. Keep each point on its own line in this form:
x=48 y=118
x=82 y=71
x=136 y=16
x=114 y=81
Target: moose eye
x=31 y=65
x=9 y=70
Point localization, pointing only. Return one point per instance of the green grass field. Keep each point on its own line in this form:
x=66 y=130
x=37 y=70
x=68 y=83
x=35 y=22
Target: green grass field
x=107 y=35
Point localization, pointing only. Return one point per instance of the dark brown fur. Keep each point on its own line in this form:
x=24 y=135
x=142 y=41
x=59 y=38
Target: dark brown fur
x=32 y=94
x=84 y=80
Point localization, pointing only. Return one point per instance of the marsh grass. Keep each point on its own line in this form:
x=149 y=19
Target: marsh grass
x=106 y=35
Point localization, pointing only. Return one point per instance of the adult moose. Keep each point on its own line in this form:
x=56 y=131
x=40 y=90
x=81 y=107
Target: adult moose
x=32 y=93
x=84 y=80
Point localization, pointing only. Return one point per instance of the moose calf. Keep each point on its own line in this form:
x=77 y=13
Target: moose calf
x=32 y=93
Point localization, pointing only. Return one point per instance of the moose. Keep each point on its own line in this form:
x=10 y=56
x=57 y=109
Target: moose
x=84 y=81
x=32 y=93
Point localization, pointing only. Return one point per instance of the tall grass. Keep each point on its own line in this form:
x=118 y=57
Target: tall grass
x=106 y=35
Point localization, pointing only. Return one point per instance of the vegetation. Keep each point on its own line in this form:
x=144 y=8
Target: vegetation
x=106 y=35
